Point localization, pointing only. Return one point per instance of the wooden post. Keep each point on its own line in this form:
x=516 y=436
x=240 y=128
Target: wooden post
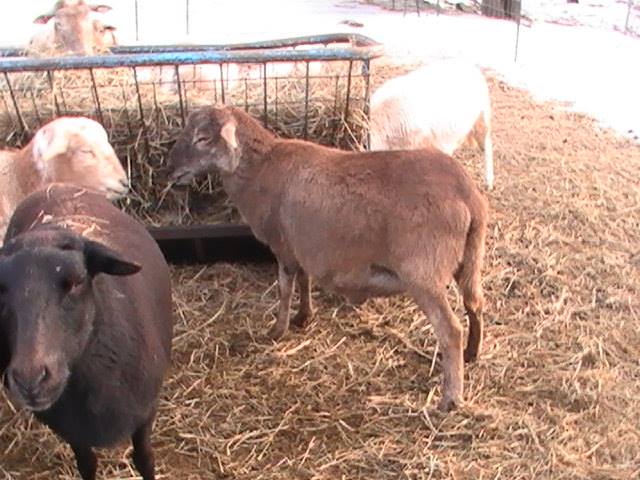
x=501 y=8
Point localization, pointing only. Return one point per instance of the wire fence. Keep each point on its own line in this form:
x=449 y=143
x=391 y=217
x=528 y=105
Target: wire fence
x=618 y=15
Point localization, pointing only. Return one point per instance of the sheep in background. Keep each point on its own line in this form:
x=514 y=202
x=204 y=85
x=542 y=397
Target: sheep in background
x=68 y=149
x=85 y=322
x=231 y=75
x=441 y=105
x=74 y=31
x=364 y=223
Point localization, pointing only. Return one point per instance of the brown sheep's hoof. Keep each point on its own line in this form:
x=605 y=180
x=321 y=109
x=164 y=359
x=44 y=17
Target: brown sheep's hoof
x=470 y=355
x=276 y=333
x=448 y=404
x=301 y=320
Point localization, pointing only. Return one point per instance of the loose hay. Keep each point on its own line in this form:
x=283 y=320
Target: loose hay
x=554 y=394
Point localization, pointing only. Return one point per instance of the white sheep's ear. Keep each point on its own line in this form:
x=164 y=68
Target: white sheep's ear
x=46 y=145
x=228 y=132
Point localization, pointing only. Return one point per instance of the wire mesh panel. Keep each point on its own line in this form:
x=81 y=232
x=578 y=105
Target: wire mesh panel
x=315 y=88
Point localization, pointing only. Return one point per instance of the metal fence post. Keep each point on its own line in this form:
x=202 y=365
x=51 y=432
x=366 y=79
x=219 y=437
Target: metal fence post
x=135 y=6
x=626 y=23
x=187 y=14
x=515 y=58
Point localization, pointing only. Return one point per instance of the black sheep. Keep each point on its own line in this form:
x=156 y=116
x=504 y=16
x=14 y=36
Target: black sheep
x=86 y=323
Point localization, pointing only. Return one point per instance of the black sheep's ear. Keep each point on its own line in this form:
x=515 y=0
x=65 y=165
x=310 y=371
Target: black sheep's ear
x=101 y=259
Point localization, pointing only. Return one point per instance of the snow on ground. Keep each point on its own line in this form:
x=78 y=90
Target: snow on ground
x=572 y=53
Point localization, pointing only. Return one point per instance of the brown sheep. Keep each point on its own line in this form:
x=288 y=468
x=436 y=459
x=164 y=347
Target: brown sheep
x=365 y=224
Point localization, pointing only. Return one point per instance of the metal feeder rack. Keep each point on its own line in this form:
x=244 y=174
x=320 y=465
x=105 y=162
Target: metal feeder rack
x=143 y=94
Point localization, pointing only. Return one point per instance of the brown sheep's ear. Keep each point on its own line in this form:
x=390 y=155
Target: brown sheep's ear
x=228 y=134
x=43 y=19
x=101 y=259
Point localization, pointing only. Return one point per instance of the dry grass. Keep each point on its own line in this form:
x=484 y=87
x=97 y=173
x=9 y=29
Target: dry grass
x=554 y=394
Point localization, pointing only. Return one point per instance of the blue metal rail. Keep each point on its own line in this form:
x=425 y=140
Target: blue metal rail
x=361 y=48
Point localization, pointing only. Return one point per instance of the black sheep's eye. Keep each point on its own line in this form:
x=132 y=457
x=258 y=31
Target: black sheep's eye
x=202 y=140
x=69 y=286
x=66 y=284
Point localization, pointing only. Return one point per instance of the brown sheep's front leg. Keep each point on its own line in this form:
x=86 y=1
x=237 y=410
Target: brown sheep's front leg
x=286 y=277
x=305 y=311
x=450 y=337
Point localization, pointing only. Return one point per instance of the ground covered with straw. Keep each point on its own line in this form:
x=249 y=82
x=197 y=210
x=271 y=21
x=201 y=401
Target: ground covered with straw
x=554 y=395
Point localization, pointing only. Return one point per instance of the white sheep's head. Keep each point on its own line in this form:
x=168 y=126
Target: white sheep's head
x=76 y=150
x=74 y=29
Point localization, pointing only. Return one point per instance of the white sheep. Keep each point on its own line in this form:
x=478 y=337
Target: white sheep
x=234 y=75
x=68 y=149
x=441 y=105
x=73 y=31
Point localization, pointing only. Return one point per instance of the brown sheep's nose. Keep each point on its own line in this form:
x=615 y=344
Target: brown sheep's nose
x=28 y=381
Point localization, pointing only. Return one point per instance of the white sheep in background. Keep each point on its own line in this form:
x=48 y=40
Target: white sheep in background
x=68 y=149
x=73 y=30
x=233 y=75
x=441 y=105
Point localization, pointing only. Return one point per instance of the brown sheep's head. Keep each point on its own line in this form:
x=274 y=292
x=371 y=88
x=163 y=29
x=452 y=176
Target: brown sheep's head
x=207 y=143
x=74 y=30
x=76 y=150
x=48 y=309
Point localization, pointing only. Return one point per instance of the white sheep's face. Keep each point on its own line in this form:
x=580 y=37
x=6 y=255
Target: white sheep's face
x=76 y=150
x=75 y=31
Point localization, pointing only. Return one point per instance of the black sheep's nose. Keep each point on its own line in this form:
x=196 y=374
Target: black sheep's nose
x=29 y=380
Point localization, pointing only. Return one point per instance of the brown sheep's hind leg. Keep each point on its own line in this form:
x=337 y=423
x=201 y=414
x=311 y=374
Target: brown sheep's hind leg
x=470 y=285
x=449 y=333
x=143 y=457
x=286 y=279
x=86 y=461
x=305 y=311
x=475 y=332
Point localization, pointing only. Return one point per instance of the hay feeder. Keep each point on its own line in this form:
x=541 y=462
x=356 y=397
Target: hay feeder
x=313 y=87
